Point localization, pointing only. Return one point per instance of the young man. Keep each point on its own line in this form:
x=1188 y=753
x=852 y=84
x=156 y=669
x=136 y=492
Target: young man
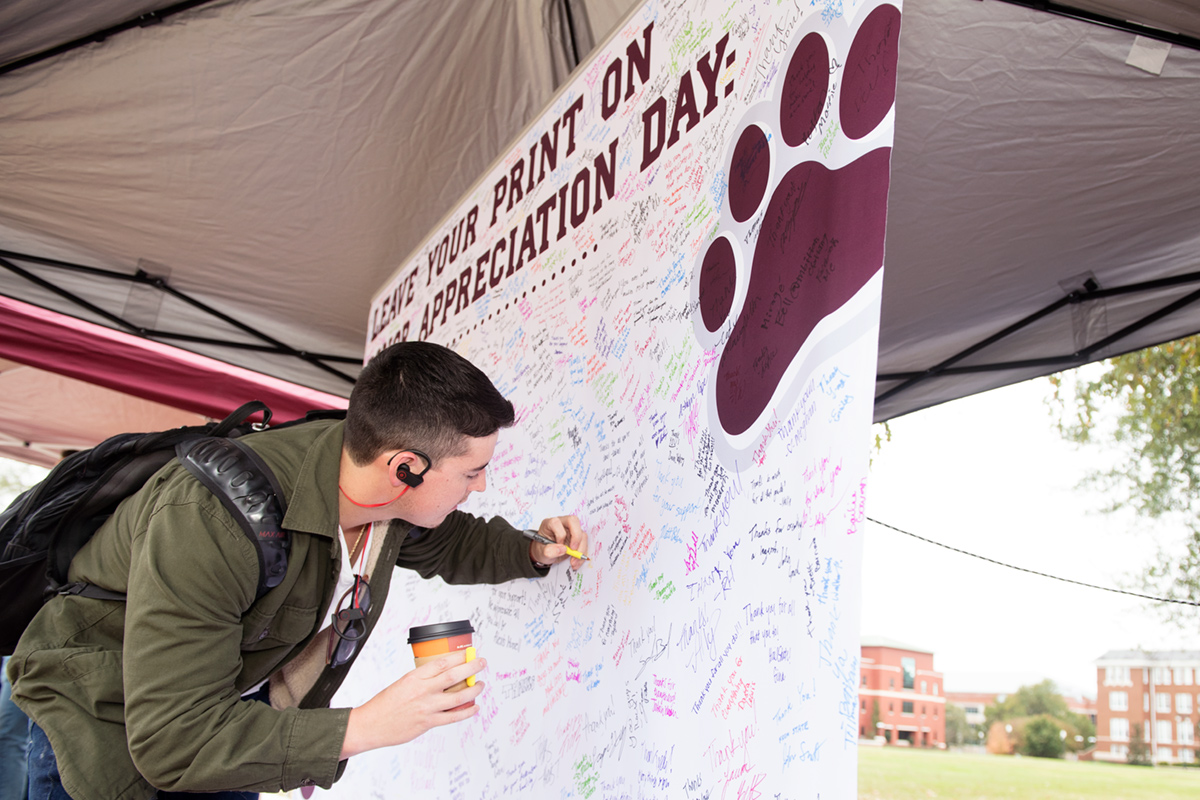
x=154 y=693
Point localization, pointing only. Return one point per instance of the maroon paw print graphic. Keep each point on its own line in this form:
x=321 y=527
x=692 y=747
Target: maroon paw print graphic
x=802 y=222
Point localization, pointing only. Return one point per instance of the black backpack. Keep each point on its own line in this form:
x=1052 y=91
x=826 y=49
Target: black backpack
x=43 y=529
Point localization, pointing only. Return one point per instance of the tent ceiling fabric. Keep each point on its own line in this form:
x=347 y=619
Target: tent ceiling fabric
x=35 y=26
x=276 y=159
x=45 y=414
x=67 y=384
x=1028 y=157
x=279 y=160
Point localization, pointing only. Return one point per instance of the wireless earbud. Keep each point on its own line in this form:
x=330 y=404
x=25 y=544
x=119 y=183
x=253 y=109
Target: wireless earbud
x=406 y=476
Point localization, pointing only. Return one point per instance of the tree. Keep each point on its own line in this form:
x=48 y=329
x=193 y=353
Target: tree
x=956 y=724
x=1139 y=751
x=1145 y=408
x=874 y=718
x=1155 y=394
x=958 y=730
x=883 y=435
x=16 y=477
x=1028 y=701
x=1041 y=700
x=1043 y=738
x=1084 y=728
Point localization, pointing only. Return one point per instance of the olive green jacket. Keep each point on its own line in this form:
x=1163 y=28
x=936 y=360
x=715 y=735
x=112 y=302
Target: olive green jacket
x=146 y=693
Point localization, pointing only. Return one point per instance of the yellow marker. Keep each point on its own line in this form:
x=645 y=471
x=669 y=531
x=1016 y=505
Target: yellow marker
x=470 y=657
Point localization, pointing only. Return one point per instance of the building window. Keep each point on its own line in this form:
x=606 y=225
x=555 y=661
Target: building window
x=1117 y=676
x=1183 y=703
x=906 y=707
x=1187 y=733
x=1118 y=729
x=1187 y=755
x=1118 y=701
x=891 y=683
x=891 y=708
x=909 y=666
x=923 y=687
x=864 y=705
x=1163 y=731
x=1163 y=703
x=1162 y=676
x=864 y=679
x=1183 y=676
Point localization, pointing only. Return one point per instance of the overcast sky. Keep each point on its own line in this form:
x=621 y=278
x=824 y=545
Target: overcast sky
x=989 y=474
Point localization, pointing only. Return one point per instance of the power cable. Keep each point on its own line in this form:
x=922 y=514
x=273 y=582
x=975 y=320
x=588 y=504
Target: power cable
x=1031 y=571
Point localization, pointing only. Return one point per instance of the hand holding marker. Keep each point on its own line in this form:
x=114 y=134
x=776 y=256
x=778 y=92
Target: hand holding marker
x=537 y=537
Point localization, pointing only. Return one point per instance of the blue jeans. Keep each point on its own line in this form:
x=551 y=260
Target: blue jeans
x=14 y=742
x=45 y=783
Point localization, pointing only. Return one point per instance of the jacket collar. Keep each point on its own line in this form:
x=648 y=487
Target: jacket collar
x=313 y=507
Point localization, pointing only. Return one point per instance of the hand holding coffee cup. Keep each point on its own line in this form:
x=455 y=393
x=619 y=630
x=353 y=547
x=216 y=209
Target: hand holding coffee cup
x=432 y=641
x=414 y=703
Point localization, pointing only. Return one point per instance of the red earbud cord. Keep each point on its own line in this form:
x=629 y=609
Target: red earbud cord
x=372 y=505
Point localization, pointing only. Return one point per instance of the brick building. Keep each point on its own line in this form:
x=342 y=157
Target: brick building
x=1151 y=694
x=900 y=685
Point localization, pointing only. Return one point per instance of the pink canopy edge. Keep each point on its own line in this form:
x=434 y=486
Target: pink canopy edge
x=143 y=368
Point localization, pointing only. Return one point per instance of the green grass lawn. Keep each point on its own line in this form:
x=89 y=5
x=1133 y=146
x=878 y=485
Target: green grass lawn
x=887 y=773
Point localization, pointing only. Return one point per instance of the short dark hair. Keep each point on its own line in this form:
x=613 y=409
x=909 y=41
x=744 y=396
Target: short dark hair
x=421 y=395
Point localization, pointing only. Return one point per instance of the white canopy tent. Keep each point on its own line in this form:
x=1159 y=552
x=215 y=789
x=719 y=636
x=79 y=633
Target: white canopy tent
x=238 y=177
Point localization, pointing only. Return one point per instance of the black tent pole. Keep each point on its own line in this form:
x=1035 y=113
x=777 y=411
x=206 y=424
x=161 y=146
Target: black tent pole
x=142 y=21
x=272 y=345
x=1071 y=12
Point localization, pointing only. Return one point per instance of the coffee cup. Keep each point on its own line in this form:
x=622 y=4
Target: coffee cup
x=432 y=641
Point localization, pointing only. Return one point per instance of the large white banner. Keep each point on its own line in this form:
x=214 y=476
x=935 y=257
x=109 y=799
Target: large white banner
x=675 y=275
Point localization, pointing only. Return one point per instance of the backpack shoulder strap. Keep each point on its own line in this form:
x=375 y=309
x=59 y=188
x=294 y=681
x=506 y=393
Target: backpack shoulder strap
x=84 y=489
x=312 y=416
x=250 y=491
x=239 y=415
